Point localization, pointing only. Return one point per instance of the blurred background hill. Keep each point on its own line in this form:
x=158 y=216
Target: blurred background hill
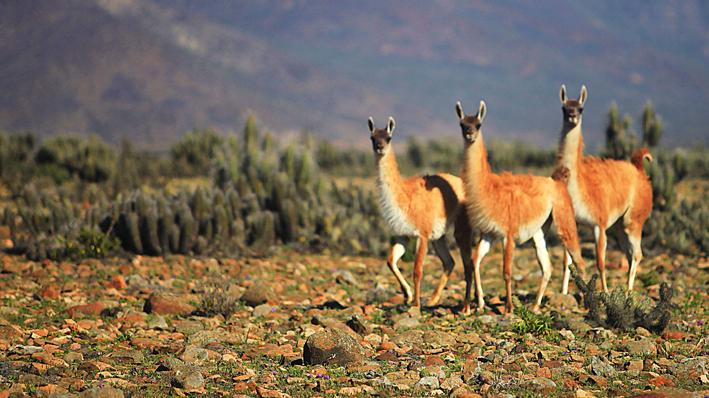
x=149 y=70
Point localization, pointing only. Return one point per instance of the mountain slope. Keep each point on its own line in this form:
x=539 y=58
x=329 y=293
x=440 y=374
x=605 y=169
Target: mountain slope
x=152 y=69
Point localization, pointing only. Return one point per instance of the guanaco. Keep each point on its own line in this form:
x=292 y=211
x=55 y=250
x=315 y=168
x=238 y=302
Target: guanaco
x=513 y=207
x=422 y=207
x=607 y=194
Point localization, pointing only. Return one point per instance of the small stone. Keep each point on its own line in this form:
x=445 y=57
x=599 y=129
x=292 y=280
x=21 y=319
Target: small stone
x=357 y=324
x=562 y=301
x=451 y=383
x=256 y=294
x=601 y=368
x=73 y=356
x=430 y=382
x=635 y=366
x=164 y=304
x=641 y=331
x=486 y=319
x=189 y=379
x=158 y=322
x=345 y=277
x=103 y=392
x=542 y=384
x=583 y=394
x=25 y=349
x=645 y=347
x=262 y=310
x=49 y=292
x=194 y=354
x=567 y=334
x=118 y=282
x=331 y=346
x=91 y=309
x=406 y=323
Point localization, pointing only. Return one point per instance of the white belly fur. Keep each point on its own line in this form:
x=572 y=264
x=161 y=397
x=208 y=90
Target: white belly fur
x=392 y=213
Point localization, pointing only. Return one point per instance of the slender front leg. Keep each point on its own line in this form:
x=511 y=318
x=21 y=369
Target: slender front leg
x=507 y=268
x=441 y=248
x=397 y=251
x=480 y=252
x=600 y=235
x=567 y=272
x=544 y=264
x=418 y=269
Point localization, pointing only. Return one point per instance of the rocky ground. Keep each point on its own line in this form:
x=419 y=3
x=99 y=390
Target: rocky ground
x=317 y=325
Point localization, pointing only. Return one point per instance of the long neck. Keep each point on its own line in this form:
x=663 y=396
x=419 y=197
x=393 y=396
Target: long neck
x=476 y=167
x=571 y=147
x=389 y=175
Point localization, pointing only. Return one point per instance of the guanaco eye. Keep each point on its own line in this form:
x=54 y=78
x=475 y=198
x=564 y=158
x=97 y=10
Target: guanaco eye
x=477 y=126
x=580 y=110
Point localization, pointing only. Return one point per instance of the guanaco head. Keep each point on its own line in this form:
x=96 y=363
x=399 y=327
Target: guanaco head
x=573 y=109
x=381 y=138
x=470 y=125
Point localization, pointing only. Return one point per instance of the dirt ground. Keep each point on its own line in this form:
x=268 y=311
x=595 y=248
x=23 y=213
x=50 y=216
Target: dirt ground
x=145 y=327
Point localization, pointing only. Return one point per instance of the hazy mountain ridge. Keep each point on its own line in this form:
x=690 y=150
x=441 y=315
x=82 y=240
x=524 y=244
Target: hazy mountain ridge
x=151 y=70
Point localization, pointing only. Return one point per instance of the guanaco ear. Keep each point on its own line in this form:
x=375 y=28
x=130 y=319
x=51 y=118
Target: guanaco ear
x=370 y=122
x=562 y=94
x=459 y=110
x=391 y=125
x=482 y=111
x=584 y=94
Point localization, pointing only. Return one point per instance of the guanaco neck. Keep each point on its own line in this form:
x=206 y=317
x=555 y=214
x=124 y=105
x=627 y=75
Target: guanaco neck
x=389 y=176
x=476 y=168
x=571 y=148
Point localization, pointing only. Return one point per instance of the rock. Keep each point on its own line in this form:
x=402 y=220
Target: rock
x=357 y=324
x=644 y=347
x=127 y=356
x=424 y=339
x=379 y=295
x=641 y=331
x=50 y=292
x=583 y=394
x=164 y=304
x=601 y=368
x=158 y=322
x=486 y=319
x=542 y=384
x=430 y=382
x=567 y=334
x=73 y=357
x=137 y=282
x=189 y=379
x=331 y=346
x=25 y=349
x=451 y=383
x=562 y=301
x=188 y=326
x=171 y=363
x=256 y=294
x=406 y=323
x=262 y=310
x=118 y=282
x=91 y=309
x=634 y=367
x=691 y=369
x=345 y=277
x=102 y=392
x=673 y=335
x=194 y=354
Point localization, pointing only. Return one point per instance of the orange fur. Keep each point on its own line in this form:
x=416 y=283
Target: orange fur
x=607 y=192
